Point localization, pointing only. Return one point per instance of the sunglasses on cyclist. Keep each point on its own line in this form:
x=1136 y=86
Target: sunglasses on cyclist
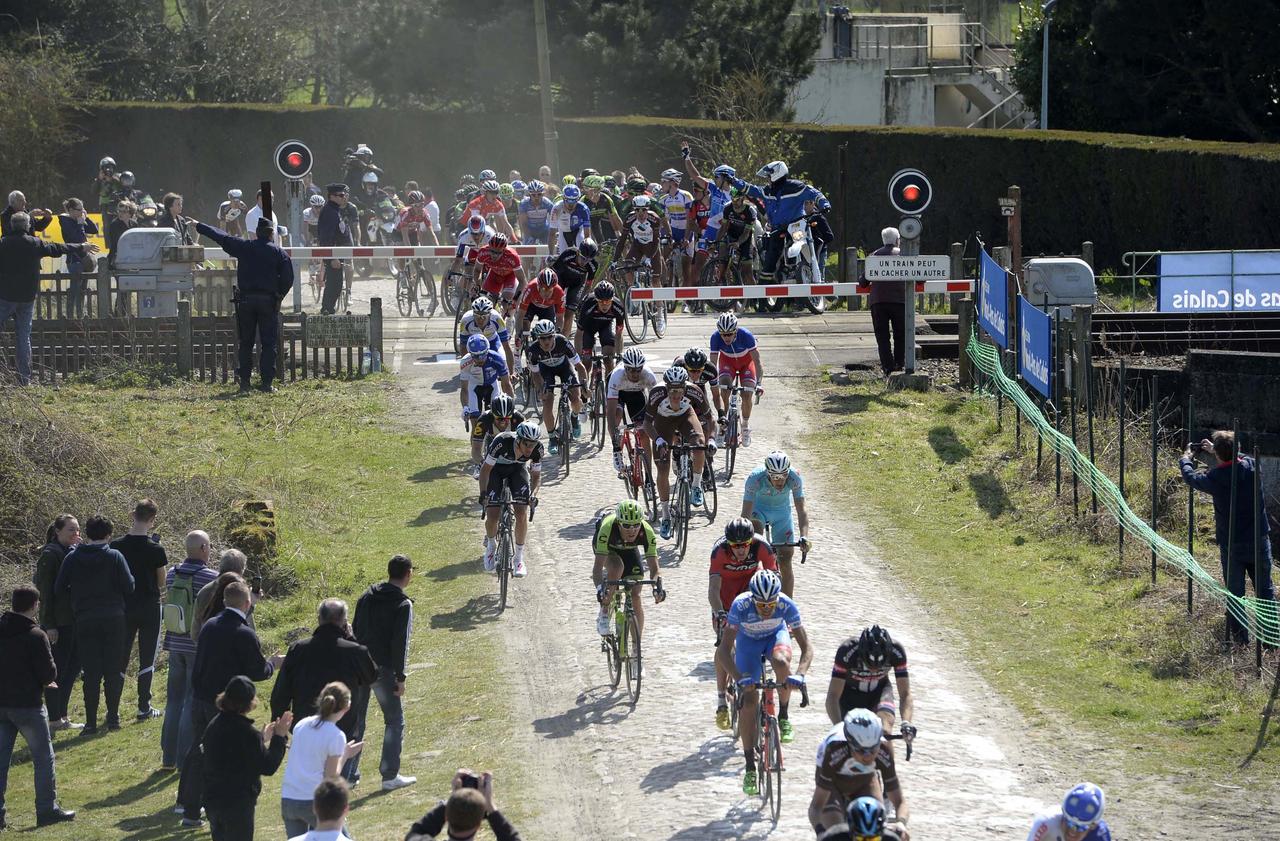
x=765 y=606
x=1076 y=825
x=739 y=543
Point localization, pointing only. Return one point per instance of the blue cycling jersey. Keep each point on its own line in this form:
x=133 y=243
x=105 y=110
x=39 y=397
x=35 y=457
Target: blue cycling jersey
x=759 y=491
x=749 y=623
x=719 y=198
x=536 y=213
x=486 y=372
x=742 y=345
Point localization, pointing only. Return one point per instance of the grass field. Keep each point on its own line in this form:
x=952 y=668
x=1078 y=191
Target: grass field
x=349 y=491
x=1080 y=641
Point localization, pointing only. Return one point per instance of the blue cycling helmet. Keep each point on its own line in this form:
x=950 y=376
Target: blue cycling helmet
x=725 y=171
x=866 y=818
x=518 y=186
x=1082 y=807
x=477 y=344
x=572 y=193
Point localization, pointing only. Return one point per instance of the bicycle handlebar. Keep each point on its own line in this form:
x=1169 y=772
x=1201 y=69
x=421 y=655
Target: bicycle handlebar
x=804 y=548
x=897 y=737
x=617 y=582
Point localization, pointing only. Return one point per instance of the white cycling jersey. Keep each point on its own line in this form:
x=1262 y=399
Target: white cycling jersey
x=1050 y=827
x=618 y=381
x=677 y=208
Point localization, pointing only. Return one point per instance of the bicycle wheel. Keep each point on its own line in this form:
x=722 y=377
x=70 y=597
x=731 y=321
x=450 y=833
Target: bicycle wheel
x=459 y=347
x=504 y=563
x=658 y=315
x=637 y=317
x=613 y=659
x=566 y=433
x=629 y=472
x=598 y=420
x=650 y=492
x=634 y=661
x=730 y=444
x=682 y=521
x=772 y=770
x=731 y=698
x=711 y=276
x=404 y=300
x=710 y=496
x=426 y=292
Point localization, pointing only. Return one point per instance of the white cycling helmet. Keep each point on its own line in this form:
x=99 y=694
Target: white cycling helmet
x=777 y=462
x=370 y=178
x=542 y=328
x=671 y=175
x=488 y=175
x=726 y=323
x=774 y=171
x=863 y=730
x=676 y=376
x=765 y=585
x=633 y=357
x=481 y=305
x=528 y=431
x=640 y=201
x=234 y=194
x=316 y=201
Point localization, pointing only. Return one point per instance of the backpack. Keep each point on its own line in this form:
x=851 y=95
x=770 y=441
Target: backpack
x=180 y=604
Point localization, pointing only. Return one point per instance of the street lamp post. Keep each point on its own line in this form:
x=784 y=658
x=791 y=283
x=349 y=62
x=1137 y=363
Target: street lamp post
x=549 y=135
x=1047 y=8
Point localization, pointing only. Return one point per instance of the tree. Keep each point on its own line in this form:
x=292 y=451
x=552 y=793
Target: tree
x=748 y=140
x=39 y=90
x=1168 y=67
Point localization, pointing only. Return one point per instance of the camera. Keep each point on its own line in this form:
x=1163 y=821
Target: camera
x=470 y=781
x=257 y=584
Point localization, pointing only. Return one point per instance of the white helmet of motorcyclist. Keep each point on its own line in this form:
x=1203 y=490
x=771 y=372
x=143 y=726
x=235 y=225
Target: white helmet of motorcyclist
x=370 y=178
x=773 y=171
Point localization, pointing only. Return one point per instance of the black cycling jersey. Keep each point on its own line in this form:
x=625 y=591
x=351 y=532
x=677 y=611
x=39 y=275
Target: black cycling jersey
x=483 y=426
x=591 y=319
x=569 y=272
x=502 y=452
x=860 y=680
x=736 y=222
x=561 y=352
x=601 y=208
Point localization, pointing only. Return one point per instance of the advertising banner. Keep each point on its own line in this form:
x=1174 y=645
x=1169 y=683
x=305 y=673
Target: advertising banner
x=993 y=299
x=1219 y=281
x=1035 y=351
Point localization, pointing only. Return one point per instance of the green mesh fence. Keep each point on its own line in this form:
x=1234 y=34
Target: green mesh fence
x=1259 y=616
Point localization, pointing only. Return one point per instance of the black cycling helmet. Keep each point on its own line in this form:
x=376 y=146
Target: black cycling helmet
x=637 y=185
x=604 y=291
x=588 y=248
x=695 y=357
x=739 y=530
x=503 y=406
x=874 y=645
x=588 y=172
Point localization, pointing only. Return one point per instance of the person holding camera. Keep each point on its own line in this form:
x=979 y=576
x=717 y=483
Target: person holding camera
x=147 y=563
x=470 y=804
x=334 y=231
x=108 y=186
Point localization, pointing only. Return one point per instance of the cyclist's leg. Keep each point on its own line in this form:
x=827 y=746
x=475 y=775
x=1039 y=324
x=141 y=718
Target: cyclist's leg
x=783 y=532
x=634 y=569
x=744 y=256
x=520 y=497
x=613 y=570
x=780 y=657
x=747 y=376
x=746 y=656
x=665 y=431
x=547 y=377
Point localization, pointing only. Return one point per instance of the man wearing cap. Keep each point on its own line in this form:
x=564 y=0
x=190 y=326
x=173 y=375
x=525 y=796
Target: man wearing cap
x=264 y=275
x=333 y=231
x=237 y=755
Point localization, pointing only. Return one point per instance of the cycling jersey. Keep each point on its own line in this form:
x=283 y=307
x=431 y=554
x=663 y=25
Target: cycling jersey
x=561 y=352
x=867 y=687
x=719 y=199
x=735 y=575
x=486 y=425
x=569 y=220
x=535 y=301
x=500 y=278
x=771 y=505
x=413 y=219
x=1050 y=827
x=600 y=210
x=485 y=207
x=502 y=453
x=494 y=329
x=483 y=372
x=468 y=243
x=641 y=228
x=839 y=773
x=572 y=276
x=660 y=407
x=676 y=208
x=536 y=216
x=744 y=616
x=609 y=538
x=620 y=382
x=509 y=469
x=740 y=348
x=593 y=323
x=737 y=222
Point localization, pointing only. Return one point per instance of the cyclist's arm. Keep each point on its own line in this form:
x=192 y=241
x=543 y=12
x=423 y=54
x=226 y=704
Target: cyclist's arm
x=806 y=649
x=724 y=653
x=755 y=357
x=906 y=702
x=505 y=379
x=615 y=222
x=506 y=350
x=485 y=470
x=692 y=169
x=819 y=802
x=834 y=690
x=597 y=572
x=535 y=479
x=520 y=282
x=801 y=514
x=713 y=593
x=431 y=232
x=623 y=240
x=615 y=416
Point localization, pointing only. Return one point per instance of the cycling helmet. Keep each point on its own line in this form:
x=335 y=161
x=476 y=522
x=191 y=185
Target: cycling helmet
x=107 y=163
x=369 y=178
x=498 y=241
x=640 y=201
x=567 y=180
x=363 y=152
x=633 y=357
x=862 y=727
x=1082 y=807
x=416 y=197
x=488 y=175
x=126 y=178
x=572 y=193
x=588 y=248
x=459 y=194
x=519 y=186
x=547 y=278
x=489 y=186
x=866 y=818
x=695 y=357
x=726 y=323
x=671 y=175
x=528 y=431
x=506 y=191
x=739 y=530
x=725 y=171
x=609 y=183
x=542 y=329
x=537 y=187
x=503 y=406
x=477 y=344
x=234 y=194
x=481 y=305
x=765 y=587
x=604 y=291
x=774 y=171
x=317 y=201
x=593 y=182
x=635 y=185
x=676 y=376
x=655 y=187
x=777 y=462
x=468 y=179
x=587 y=173
x=873 y=648
x=629 y=513
x=476 y=223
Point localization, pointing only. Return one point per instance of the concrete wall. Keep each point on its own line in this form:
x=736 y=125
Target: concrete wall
x=952 y=108
x=842 y=92
x=908 y=101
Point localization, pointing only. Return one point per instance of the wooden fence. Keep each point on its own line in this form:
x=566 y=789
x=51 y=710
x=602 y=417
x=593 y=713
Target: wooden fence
x=101 y=294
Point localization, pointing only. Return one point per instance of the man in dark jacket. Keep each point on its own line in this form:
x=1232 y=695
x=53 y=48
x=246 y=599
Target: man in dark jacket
x=264 y=275
x=384 y=622
x=887 y=302
x=236 y=757
x=147 y=562
x=1249 y=533
x=26 y=668
x=57 y=618
x=98 y=580
x=20 y=255
x=333 y=230
x=469 y=805
x=331 y=653
x=40 y=219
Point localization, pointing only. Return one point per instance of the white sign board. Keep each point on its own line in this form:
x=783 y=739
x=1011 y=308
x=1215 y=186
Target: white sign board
x=902 y=267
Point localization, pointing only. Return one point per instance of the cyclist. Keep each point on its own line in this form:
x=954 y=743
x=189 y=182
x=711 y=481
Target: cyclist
x=846 y=770
x=860 y=678
x=673 y=408
x=534 y=212
x=605 y=223
x=415 y=222
x=635 y=187
x=478 y=369
x=574 y=268
x=603 y=318
x=737 y=234
x=514 y=461
x=640 y=236
x=694 y=360
x=571 y=219
x=553 y=358
x=714 y=197
x=760 y=624
x=784 y=201
x=500 y=417
x=475 y=236
x=481 y=320
x=620 y=537
x=507 y=195
x=767 y=496
x=1078 y=819
x=735 y=355
x=677 y=205
x=628 y=387
x=503 y=274
x=543 y=299
x=489 y=207
x=735 y=558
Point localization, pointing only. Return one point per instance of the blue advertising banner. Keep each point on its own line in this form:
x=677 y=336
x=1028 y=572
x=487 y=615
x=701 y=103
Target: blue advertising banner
x=1035 y=349
x=993 y=299
x=1219 y=281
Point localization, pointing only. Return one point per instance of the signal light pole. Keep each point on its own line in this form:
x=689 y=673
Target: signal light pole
x=549 y=135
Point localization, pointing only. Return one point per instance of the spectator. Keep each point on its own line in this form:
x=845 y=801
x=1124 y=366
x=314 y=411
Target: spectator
x=887 y=301
x=227 y=647
x=182 y=583
x=470 y=804
x=107 y=185
x=147 y=561
x=171 y=217
x=433 y=211
x=98 y=580
x=334 y=231
x=231 y=560
x=330 y=655
x=1238 y=538
x=57 y=618
x=126 y=218
x=76 y=227
x=255 y=213
x=384 y=623
x=40 y=219
x=331 y=803
x=26 y=668
x=319 y=750
x=20 y=255
x=236 y=757
x=231 y=213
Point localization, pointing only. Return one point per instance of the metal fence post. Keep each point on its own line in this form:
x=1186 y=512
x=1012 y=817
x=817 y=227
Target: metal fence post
x=1086 y=252
x=1120 y=412
x=1257 y=564
x=1191 y=502
x=103 y=289
x=965 y=326
x=186 y=355
x=1231 y=515
x=957 y=273
x=375 y=334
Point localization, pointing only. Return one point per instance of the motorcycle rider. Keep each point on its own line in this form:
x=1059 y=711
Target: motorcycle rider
x=107 y=185
x=784 y=202
x=358 y=161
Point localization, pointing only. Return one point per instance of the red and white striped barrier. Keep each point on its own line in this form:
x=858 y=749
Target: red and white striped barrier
x=380 y=251
x=795 y=290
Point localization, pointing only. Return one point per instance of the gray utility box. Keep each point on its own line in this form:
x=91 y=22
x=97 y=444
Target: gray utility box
x=155 y=264
x=1060 y=282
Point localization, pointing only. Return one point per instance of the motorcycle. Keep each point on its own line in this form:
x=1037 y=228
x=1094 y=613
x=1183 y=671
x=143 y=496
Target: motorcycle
x=381 y=230
x=799 y=262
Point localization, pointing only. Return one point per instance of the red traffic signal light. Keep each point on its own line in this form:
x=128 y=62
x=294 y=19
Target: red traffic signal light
x=910 y=192
x=293 y=159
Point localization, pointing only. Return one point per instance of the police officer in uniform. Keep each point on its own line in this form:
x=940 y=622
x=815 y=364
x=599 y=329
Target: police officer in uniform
x=264 y=275
x=333 y=230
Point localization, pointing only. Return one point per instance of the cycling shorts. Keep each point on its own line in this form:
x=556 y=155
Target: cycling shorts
x=605 y=334
x=748 y=652
x=667 y=428
x=742 y=367
x=632 y=562
x=572 y=292
x=497 y=285
x=779 y=520
x=534 y=312
x=708 y=238
x=552 y=373
x=879 y=699
x=745 y=250
x=634 y=402
x=514 y=477
x=478 y=399
x=639 y=250
x=536 y=237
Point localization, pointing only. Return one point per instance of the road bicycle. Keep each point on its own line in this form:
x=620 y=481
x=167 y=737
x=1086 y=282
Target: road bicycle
x=722 y=271
x=564 y=420
x=636 y=473
x=415 y=289
x=768 y=747
x=524 y=384
x=596 y=401
x=629 y=275
x=732 y=428
x=681 y=511
x=504 y=557
x=622 y=647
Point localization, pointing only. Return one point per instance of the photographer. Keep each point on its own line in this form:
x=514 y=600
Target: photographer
x=470 y=804
x=107 y=185
x=358 y=161
x=40 y=218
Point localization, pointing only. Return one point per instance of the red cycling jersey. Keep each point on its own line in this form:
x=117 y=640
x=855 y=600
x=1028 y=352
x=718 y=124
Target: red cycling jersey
x=411 y=217
x=500 y=271
x=534 y=297
x=484 y=207
x=735 y=575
